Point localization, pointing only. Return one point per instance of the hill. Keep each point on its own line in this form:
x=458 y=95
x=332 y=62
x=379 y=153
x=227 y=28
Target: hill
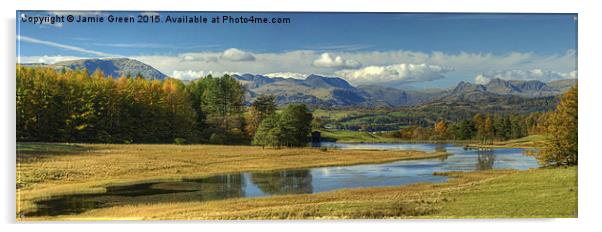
x=115 y=67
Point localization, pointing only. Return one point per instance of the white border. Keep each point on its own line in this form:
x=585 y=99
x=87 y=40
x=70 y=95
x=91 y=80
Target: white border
x=589 y=81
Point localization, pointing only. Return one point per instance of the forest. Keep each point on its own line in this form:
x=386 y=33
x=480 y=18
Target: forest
x=72 y=106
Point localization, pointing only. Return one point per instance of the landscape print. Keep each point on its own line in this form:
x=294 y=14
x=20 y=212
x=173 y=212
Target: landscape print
x=298 y=115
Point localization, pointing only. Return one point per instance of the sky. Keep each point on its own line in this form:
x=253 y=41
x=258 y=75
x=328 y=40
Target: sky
x=388 y=49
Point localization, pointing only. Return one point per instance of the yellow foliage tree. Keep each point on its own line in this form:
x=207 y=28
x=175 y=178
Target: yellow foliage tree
x=561 y=145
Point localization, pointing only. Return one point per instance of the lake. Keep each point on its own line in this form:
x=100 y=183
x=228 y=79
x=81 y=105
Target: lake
x=297 y=181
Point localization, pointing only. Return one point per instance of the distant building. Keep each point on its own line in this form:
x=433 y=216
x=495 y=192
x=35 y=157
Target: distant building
x=315 y=137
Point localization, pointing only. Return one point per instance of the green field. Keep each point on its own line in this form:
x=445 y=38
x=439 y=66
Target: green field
x=348 y=136
x=45 y=170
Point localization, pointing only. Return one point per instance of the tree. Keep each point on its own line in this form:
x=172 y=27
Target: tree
x=440 y=129
x=465 y=130
x=290 y=128
x=262 y=107
x=295 y=123
x=561 y=146
x=222 y=103
x=269 y=132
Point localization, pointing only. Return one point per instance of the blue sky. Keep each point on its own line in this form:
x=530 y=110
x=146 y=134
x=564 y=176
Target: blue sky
x=421 y=50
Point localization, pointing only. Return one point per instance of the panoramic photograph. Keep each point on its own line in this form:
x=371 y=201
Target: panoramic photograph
x=136 y=115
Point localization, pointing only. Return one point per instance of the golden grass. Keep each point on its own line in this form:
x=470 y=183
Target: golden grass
x=45 y=169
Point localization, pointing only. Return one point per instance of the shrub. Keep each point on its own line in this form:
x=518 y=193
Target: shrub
x=179 y=141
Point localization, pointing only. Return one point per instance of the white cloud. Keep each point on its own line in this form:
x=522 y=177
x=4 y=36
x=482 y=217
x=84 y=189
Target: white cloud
x=287 y=75
x=46 y=59
x=187 y=75
x=328 y=61
x=466 y=66
x=199 y=57
x=233 y=54
x=515 y=74
x=393 y=74
x=63 y=46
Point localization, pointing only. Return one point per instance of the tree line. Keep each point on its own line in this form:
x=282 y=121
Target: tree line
x=74 y=106
x=485 y=128
x=559 y=127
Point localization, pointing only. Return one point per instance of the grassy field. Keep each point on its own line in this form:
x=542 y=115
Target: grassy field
x=348 y=136
x=45 y=169
x=485 y=194
x=532 y=141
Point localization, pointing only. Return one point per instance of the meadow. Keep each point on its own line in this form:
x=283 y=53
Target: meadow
x=47 y=169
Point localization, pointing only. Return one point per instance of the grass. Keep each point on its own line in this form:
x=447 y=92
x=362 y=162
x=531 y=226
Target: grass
x=535 y=193
x=348 y=136
x=47 y=169
x=484 y=194
x=335 y=115
x=531 y=141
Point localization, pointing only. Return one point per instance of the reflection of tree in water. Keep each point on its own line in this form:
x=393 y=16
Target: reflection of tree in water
x=485 y=159
x=441 y=148
x=220 y=187
x=283 y=182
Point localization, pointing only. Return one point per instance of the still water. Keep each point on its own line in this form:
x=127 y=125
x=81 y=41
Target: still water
x=298 y=181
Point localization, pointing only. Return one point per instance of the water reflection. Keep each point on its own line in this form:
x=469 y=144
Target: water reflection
x=485 y=159
x=284 y=182
x=441 y=148
x=205 y=189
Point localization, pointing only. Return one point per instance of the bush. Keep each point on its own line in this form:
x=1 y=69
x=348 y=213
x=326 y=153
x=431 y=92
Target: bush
x=179 y=141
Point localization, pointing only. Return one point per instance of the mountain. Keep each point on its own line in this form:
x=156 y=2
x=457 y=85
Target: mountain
x=114 y=67
x=332 y=92
x=313 y=90
x=498 y=88
x=530 y=88
x=562 y=85
x=388 y=96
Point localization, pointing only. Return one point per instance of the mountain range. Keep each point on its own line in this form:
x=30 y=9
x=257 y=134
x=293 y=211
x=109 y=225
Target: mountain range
x=324 y=91
x=336 y=92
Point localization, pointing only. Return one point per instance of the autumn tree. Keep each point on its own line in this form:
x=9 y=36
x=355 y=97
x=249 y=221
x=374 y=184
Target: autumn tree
x=440 y=129
x=262 y=107
x=561 y=146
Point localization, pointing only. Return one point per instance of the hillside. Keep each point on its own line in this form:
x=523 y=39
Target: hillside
x=115 y=67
